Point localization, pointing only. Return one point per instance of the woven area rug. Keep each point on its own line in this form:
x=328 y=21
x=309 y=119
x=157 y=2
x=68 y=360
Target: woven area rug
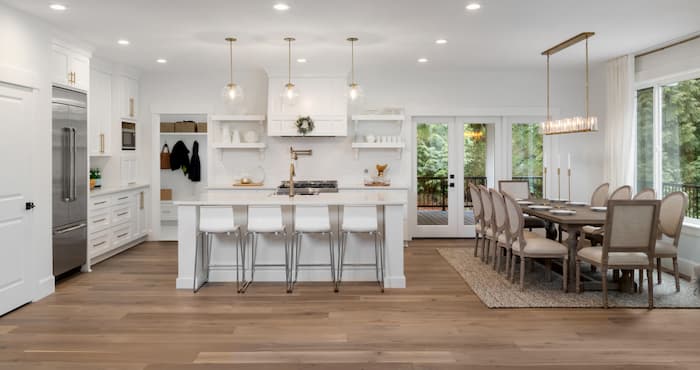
x=495 y=291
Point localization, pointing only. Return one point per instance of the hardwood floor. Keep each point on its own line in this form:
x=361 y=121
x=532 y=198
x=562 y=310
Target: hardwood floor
x=126 y=314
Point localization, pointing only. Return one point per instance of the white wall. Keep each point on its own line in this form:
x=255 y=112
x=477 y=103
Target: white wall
x=27 y=43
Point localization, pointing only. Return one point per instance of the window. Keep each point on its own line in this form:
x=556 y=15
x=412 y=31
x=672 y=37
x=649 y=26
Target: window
x=527 y=155
x=677 y=131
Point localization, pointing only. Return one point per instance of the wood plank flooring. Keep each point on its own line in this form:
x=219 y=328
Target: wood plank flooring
x=126 y=314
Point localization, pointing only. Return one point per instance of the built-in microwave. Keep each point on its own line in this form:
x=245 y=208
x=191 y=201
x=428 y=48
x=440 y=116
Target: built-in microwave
x=128 y=136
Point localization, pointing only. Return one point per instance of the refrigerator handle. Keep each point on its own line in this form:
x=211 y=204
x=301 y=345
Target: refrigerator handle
x=66 y=165
x=74 y=154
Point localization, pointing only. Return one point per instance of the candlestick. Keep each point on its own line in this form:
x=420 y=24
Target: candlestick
x=568 y=158
x=558 y=183
x=544 y=184
x=570 y=198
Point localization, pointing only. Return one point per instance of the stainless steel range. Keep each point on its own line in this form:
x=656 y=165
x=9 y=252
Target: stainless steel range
x=310 y=187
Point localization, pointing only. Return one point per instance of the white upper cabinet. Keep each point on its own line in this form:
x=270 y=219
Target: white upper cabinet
x=100 y=113
x=128 y=97
x=70 y=68
x=323 y=99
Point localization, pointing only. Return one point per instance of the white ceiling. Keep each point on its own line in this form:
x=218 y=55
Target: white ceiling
x=393 y=33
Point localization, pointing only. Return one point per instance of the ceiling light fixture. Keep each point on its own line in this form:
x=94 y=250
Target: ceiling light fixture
x=281 y=6
x=301 y=60
x=123 y=42
x=58 y=7
x=441 y=41
x=423 y=60
x=574 y=124
x=290 y=92
x=473 y=6
x=232 y=91
x=161 y=61
x=355 y=91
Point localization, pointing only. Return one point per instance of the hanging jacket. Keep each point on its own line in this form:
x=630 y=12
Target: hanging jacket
x=179 y=157
x=194 y=172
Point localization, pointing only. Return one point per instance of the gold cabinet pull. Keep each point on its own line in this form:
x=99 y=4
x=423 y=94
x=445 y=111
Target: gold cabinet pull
x=141 y=205
x=131 y=107
x=102 y=143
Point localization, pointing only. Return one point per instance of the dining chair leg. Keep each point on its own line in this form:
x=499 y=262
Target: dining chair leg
x=641 y=281
x=509 y=252
x=485 y=250
x=578 y=276
x=658 y=270
x=497 y=260
x=522 y=273
x=548 y=269
x=476 y=246
x=676 y=274
x=512 y=268
x=496 y=254
x=604 y=281
x=565 y=270
x=650 y=287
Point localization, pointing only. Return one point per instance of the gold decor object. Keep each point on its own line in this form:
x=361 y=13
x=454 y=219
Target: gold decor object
x=380 y=169
x=573 y=124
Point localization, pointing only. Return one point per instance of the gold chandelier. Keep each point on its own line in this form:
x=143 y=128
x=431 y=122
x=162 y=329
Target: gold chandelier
x=573 y=124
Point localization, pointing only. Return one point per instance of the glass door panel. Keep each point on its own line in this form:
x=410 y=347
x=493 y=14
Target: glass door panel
x=475 y=158
x=527 y=152
x=432 y=171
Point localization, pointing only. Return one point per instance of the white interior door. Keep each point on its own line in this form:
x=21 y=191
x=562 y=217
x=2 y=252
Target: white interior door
x=15 y=237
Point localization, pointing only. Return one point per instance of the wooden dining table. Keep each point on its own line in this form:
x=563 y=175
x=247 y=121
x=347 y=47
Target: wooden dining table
x=573 y=225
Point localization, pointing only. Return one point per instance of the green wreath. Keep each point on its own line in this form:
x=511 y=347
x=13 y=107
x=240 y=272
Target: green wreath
x=304 y=125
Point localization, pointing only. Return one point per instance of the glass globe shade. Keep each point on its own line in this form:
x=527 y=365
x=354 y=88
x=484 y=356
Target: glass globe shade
x=290 y=94
x=355 y=93
x=232 y=92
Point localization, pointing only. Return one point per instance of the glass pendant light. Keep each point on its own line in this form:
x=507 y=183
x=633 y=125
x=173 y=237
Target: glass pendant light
x=290 y=94
x=232 y=92
x=355 y=92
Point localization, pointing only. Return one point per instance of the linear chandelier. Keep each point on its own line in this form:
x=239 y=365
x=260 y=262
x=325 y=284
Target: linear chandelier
x=573 y=124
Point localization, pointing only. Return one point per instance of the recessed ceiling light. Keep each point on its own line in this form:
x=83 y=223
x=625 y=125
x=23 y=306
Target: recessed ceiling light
x=301 y=60
x=281 y=6
x=58 y=7
x=123 y=42
x=423 y=60
x=473 y=6
x=441 y=41
x=161 y=61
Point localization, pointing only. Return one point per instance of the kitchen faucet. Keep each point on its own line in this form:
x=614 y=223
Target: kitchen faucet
x=294 y=156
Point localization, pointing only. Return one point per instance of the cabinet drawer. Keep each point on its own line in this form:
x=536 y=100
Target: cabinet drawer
x=121 y=235
x=168 y=212
x=122 y=198
x=121 y=214
x=99 y=221
x=100 y=202
x=99 y=243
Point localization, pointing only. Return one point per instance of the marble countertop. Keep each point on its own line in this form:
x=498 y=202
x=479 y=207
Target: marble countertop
x=342 y=198
x=115 y=189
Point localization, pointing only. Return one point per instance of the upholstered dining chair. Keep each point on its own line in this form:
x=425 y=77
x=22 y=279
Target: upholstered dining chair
x=598 y=199
x=621 y=193
x=673 y=208
x=520 y=190
x=478 y=210
x=489 y=239
x=628 y=243
x=525 y=246
x=499 y=226
x=645 y=194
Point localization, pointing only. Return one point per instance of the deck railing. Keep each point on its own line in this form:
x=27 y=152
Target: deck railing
x=432 y=190
x=693 y=191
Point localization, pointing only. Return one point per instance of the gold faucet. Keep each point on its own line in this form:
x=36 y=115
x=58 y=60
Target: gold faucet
x=292 y=172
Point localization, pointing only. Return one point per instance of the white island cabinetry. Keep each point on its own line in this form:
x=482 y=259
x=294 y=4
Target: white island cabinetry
x=390 y=207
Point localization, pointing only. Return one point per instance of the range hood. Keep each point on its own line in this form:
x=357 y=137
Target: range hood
x=321 y=98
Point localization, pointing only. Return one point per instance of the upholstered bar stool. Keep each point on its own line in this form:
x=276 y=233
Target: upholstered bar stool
x=216 y=220
x=361 y=220
x=266 y=220
x=312 y=220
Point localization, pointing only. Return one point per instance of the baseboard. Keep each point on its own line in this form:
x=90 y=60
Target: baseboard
x=686 y=267
x=45 y=288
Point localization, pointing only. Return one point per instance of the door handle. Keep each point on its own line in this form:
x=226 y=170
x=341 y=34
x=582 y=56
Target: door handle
x=74 y=154
x=452 y=184
x=29 y=206
x=66 y=164
x=69 y=229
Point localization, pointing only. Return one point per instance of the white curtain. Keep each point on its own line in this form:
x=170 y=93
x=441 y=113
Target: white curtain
x=619 y=125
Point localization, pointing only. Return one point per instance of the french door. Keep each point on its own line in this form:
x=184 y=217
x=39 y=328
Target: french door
x=451 y=152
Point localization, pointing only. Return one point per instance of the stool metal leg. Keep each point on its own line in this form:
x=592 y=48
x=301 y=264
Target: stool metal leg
x=197 y=246
x=332 y=255
x=382 y=254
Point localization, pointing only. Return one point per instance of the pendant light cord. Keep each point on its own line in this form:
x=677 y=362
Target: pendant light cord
x=549 y=115
x=352 y=43
x=289 y=62
x=230 y=48
x=587 y=99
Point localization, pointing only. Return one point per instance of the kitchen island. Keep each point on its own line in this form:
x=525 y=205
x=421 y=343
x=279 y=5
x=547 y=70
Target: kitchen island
x=390 y=206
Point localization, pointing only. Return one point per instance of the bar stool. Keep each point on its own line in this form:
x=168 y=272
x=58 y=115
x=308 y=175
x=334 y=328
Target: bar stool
x=311 y=220
x=216 y=220
x=266 y=220
x=362 y=220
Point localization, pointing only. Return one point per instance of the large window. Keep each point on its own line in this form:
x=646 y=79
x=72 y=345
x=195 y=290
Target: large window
x=676 y=129
x=527 y=155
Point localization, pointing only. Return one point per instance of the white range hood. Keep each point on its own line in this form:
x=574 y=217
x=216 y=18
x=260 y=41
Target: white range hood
x=322 y=98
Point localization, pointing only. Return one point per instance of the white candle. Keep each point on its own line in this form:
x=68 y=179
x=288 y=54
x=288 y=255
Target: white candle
x=569 y=160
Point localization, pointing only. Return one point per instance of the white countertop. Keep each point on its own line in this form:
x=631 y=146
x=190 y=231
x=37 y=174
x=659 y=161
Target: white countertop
x=116 y=189
x=341 y=198
x=340 y=187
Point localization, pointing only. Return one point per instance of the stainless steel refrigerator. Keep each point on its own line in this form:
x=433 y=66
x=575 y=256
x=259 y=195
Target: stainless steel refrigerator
x=70 y=179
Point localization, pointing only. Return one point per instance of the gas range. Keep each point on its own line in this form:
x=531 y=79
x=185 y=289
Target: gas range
x=309 y=187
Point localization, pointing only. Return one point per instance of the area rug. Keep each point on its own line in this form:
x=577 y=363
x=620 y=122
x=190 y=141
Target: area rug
x=495 y=291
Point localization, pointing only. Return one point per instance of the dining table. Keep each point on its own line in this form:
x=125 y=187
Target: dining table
x=573 y=223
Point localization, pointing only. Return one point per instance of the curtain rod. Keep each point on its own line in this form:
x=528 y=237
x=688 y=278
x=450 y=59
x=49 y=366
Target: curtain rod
x=667 y=46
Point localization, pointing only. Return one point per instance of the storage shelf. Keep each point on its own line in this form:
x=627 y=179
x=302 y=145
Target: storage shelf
x=391 y=146
x=183 y=133
x=378 y=117
x=241 y=146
